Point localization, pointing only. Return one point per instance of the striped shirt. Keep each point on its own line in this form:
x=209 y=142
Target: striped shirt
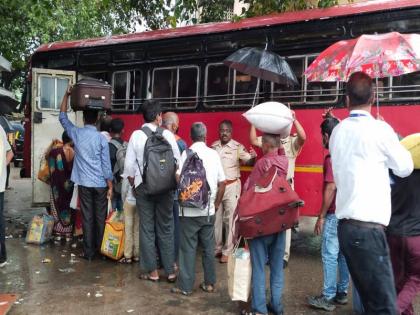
x=92 y=165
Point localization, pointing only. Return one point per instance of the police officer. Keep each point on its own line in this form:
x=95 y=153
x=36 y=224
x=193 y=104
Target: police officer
x=232 y=153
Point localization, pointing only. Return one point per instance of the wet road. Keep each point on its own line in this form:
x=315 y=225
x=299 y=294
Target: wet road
x=105 y=287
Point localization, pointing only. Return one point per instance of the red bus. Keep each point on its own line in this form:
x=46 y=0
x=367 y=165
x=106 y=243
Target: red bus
x=183 y=68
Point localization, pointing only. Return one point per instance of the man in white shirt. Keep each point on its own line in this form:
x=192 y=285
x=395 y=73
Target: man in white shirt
x=155 y=210
x=197 y=225
x=362 y=152
x=6 y=155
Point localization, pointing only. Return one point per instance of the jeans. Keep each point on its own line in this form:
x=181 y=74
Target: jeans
x=3 y=255
x=405 y=257
x=117 y=203
x=194 y=231
x=368 y=259
x=271 y=246
x=332 y=258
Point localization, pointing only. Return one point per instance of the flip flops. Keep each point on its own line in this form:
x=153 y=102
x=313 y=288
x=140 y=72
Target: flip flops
x=146 y=276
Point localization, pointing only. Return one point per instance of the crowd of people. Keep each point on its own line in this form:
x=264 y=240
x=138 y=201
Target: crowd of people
x=369 y=218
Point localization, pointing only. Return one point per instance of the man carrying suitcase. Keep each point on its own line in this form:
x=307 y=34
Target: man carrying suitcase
x=93 y=175
x=271 y=246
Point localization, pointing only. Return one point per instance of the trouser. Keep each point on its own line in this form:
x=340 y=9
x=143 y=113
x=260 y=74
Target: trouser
x=176 y=228
x=117 y=203
x=271 y=246
x=3 y=254
x=131 y=229
x=333 y=259
x=94 y=205
x=224 y=218
x=155 y=212
x=368 y=259
x=194 y=231
x=405 y=257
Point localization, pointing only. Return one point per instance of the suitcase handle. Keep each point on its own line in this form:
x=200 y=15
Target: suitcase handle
x=95 y=97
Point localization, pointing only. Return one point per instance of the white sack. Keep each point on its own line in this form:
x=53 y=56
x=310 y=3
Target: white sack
x=271 y=117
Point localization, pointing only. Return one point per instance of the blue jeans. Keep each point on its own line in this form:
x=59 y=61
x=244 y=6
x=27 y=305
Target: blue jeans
x=333 y=258
x=271 y=246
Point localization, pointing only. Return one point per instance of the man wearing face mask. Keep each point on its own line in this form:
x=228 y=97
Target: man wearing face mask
x=156 y=216
x=232 y=153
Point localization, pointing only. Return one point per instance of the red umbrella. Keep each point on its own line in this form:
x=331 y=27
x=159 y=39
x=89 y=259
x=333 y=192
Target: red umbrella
x=383 y=55
x=390 y=54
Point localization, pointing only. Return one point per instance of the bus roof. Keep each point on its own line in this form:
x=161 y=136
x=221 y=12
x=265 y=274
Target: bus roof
x=220 y=27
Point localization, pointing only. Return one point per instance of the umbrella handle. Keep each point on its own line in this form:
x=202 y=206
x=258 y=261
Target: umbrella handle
x=377 y=98
x=257 y=91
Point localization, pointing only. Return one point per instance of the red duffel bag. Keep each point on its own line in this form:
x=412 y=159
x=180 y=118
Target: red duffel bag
x=269 y=207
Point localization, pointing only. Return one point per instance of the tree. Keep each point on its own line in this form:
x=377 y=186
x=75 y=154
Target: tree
x=264 y=7
x=26 y=24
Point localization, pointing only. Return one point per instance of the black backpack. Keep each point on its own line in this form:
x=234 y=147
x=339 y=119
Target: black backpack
x=159 y=165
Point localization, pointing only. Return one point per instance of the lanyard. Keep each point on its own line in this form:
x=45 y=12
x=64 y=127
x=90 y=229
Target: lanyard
x=357 y=115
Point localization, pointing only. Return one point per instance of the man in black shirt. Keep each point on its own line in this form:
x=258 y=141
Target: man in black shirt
x=404 y=239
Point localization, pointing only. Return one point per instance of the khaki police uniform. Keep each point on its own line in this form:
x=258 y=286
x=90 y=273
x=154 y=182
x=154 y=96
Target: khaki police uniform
x=291 y=149
x=230 y=154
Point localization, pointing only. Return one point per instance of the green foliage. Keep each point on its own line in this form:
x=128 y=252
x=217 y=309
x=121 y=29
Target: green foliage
x=26 y=24
x=264 y=7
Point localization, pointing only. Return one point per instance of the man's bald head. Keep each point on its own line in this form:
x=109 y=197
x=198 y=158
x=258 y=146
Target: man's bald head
x=170 y=121
x=359 y=90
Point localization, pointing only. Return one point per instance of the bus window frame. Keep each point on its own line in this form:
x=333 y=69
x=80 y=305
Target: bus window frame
x=129 y=103
x=229 y=96
x=168 y=100
x=54 y=75
x=304 y=89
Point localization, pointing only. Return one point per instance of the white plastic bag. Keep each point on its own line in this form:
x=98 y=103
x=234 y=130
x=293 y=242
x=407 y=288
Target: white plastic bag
x=239 y=274
x=271 y=117
x=75 y=197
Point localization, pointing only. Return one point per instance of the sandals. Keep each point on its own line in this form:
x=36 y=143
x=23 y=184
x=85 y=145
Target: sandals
x=171 y=278
x=208 y=288
x=146 y=276
x=176 y=290
x=125 y=260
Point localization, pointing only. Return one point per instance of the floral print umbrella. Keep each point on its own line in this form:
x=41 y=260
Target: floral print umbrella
x=390 y=54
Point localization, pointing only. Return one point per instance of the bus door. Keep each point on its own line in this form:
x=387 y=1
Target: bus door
x=48 y=88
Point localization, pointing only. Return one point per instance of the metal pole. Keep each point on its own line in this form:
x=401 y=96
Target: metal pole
x=377 y=98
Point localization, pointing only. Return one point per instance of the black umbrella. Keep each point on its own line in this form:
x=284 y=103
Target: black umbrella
x=262 y=64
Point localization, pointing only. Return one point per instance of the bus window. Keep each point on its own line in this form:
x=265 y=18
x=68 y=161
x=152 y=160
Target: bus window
x=51 y=91
x=245 y=86
x=219 y=85
x=176 y=87
x=127 y=90
x=187 y=87
x=406 y=86
x=291 y=94
x=320 y=92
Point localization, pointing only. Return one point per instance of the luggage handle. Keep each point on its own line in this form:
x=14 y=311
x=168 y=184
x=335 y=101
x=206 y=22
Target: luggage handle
x=296 y=204
x=95 y=97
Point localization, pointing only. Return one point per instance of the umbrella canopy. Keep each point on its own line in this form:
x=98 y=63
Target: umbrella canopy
x=390 y=54
x=262 y=64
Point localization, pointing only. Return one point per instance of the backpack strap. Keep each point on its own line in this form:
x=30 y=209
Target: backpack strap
x=147 y=131
x=116 y=143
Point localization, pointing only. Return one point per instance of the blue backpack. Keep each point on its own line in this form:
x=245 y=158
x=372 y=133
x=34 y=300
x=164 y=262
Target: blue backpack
x=194 y=190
